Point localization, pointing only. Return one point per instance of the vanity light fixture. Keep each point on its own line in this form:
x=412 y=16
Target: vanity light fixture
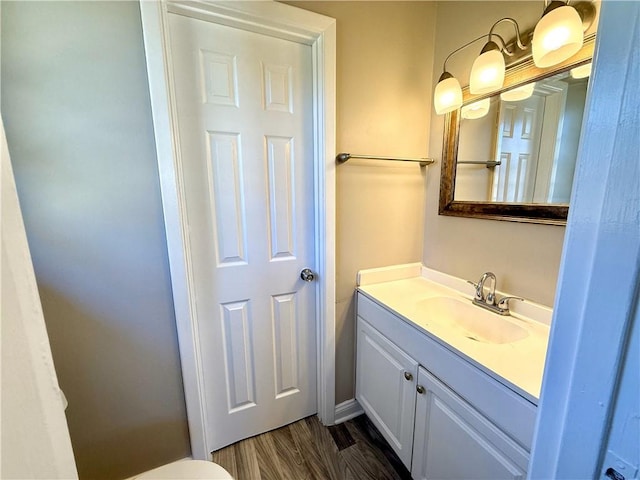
x=476 y=109
x=557 y=36
x=583 y=71
x=520 y=93
x=487 y=72
x=448 y=94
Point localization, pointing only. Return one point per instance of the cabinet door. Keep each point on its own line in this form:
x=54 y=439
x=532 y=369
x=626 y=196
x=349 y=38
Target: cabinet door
x=452 y=440
x=386 y=388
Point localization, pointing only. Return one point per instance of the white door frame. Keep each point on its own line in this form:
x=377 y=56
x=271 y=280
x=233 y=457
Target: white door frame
x=32 y=415
x=281 y=21
x=600 y=268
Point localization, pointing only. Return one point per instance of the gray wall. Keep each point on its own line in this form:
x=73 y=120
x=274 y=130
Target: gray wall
x=76 y=108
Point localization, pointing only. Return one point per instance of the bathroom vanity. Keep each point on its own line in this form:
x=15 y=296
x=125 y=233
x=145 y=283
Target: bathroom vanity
x=452 y=387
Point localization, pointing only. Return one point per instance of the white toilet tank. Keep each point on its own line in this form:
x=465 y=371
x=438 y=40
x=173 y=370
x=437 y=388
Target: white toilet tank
x=187 y=470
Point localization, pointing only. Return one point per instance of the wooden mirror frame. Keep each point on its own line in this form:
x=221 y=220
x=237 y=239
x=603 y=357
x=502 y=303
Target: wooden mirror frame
x=516 y=75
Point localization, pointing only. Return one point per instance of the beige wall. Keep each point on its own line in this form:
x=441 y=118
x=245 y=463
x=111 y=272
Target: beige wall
x=384 y=70
x=385 y=79
x=524 y=257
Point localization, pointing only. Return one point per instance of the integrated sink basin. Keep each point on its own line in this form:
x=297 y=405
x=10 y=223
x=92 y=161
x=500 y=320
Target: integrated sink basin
x=468 y=320
x=438 y=307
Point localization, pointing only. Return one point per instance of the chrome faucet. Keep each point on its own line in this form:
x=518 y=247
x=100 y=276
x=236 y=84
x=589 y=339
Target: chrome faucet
x=488 y=301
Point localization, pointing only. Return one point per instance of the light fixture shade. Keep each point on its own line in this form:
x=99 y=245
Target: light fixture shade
x=520 y=93
x=447 y=96
x=487 y=72
x=583 y=71
x=557 y=36
x=476 y=109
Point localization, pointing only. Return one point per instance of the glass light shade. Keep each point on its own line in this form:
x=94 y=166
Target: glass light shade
x=447 y=96
x=487 y=72
x=517 y=94
x=583 y=71
x=476 y=109
x=557 y=36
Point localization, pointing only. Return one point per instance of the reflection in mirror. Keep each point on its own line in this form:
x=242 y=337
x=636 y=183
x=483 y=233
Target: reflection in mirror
x=529 y=135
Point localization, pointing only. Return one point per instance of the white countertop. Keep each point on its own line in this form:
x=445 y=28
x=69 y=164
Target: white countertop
x=519 y=364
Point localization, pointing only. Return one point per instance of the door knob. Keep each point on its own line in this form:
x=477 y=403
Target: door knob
x=420 y=389
x=307 y=275
x=408 y=376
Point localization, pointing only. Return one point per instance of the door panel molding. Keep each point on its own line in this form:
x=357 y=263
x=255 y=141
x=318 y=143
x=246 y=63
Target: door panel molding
x=276 y=20
x=224 y=170
x=239 y=362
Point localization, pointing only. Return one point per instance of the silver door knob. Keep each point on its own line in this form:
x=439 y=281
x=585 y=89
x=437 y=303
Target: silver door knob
x=420 y=389
x=408 y=376
x=307 y=275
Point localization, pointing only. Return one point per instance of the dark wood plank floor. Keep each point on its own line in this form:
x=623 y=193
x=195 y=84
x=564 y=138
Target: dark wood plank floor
x=353 y=450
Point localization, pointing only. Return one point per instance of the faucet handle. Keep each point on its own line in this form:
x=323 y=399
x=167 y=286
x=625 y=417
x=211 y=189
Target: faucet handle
x=478 y=295
x=504 y=302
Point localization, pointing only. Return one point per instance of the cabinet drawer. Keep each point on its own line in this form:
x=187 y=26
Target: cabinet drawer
x=512 y=413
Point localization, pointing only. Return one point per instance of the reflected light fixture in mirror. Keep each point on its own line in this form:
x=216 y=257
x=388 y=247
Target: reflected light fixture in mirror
x=583 y=71
x=557 y=36
x=476 y=109
x=517 y=94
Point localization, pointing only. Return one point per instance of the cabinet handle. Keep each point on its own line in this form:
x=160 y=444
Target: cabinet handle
x=420 y=389
x=408 y=376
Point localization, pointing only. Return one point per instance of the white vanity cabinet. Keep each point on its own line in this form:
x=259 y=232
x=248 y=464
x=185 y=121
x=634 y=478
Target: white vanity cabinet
x=444 y=417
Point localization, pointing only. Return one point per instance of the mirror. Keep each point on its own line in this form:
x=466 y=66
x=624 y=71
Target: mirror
x=512 y=155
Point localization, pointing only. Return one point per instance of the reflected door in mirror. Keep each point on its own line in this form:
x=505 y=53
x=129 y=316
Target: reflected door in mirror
x=518 y=139
x=534 y=141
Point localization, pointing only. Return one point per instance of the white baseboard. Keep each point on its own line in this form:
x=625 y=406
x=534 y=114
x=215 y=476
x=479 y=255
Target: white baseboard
x=347 y=410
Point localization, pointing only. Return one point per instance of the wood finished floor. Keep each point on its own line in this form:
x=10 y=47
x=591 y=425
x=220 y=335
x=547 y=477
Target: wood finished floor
x=353 y=450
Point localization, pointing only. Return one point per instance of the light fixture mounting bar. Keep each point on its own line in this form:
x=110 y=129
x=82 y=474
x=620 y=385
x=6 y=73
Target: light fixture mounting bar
x=504 y=47
x=444 y=65
x=518 y=40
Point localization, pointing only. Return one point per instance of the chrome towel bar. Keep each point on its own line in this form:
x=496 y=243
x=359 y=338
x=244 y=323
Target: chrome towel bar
x=488 y=163
x=343 y=157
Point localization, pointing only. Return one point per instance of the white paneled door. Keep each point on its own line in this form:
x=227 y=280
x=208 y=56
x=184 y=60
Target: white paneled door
x=244 y=110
